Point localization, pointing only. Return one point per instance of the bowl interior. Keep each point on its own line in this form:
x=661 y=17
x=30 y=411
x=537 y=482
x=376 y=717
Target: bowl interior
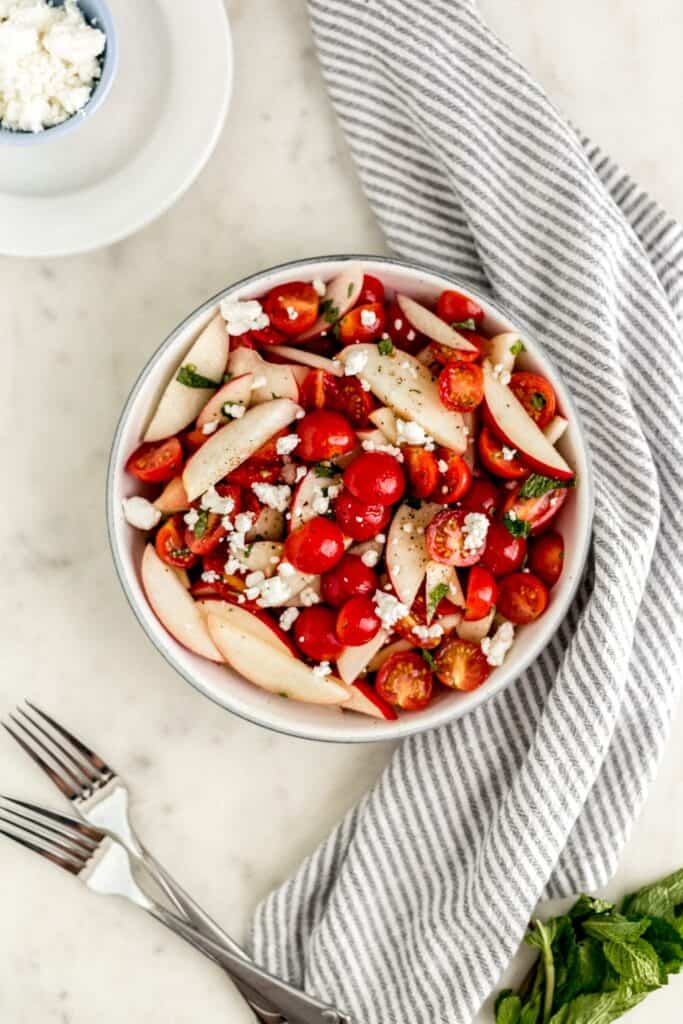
x=97 y=14
x=220 y=683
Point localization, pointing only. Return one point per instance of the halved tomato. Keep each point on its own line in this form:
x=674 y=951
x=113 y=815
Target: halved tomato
x=251 y=472
x=421 y=469
x=481 y=593
x=461 y=664
x=170 y=544
x=522 y=597
x=155 y=462
x=193 y=440
x=461 y=386
x=371 y=292
x=447 y=536
x=264 y=337
x=546 y=557
x=498 y=459
x=401 y=332
x=268 y=452
x=456 y=308
x=455 y=480
x=293 y=307
x=536 y=395
x=405 y=681
x=416 y=618
x=206 y=534
x=537 y=512
x=444 y=354
x=316 y=390
x=352 y=401
x=363 y=324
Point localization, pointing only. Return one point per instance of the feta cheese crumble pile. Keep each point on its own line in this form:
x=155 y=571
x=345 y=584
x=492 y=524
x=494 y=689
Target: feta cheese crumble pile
x=242 y=316
x=48 y=63
x=475 y=529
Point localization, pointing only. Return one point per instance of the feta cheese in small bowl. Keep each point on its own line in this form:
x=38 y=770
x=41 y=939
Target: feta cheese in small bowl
x=58 y=60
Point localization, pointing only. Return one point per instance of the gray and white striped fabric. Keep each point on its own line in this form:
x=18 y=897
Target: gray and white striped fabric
x=412 y=908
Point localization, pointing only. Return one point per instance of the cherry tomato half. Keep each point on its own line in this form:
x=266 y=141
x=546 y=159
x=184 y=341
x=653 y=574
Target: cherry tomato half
x=503 y=552
x=522 y=597
x=461 y=664
x=483 y=496
x=211 y=532
x=446 y=537
x=324 y=434
x=357 y=622
x=455 y=480
x=316 y=389
x=351 y=577
x=363 y=324
x=293 y=307
x=351 y=400
x=416 y=619
x=314 y=633
x=359 y=520
x=401 y=332
x=268 y=453
x=405 y=681
x=375 y=478
x=456 y=308
x=263 y=337
x=170 y=544
x=461 y=386
x=156 y=462
x=538 y=512
x=316 y=546
x=445 y=354
x=421 y=469
x=492 y=453
x=192 y=440
x=481 y=593
x=251 y=472
x=546 y=557
x=536 y=395
x=371 y=292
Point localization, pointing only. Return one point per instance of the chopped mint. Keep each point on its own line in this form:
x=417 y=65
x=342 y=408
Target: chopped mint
x=385 y=347
x=538 y=401
x=329 y=311
x=517 y=347
x=202 y=524
x=436 y=595
x=323 y=469
x=465 y=325
x=517 y=527
x=536 y=485
x=349 y=290
x=428 y=657
x=188 y=376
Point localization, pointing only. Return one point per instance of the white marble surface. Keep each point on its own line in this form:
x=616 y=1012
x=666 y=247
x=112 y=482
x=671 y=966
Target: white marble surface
x=230 y=808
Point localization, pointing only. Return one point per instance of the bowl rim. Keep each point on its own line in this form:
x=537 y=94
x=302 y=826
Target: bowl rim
x=101 y=89
x=484 y=693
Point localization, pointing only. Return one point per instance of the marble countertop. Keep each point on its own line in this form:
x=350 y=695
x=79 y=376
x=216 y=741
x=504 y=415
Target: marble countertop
x=231 y=809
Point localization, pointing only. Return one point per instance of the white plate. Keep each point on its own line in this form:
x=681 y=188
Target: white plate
x=140 y=151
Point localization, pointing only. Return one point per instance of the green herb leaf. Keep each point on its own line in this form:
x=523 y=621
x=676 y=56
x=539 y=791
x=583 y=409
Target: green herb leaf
x=283 y=693
x=517 y=347
x=428 y=657
x=188 y=376
x=538 y=401
x=201 y=526
x=667 y=943
x=508 y=1008
x=636 y=962
x=517 y=527
x=323 y=469
x=248 y=550
x=349 y=290
x=531 y=1012
x=591 y=967
x=436 y=594
x=465 y=325
x=588 y=906
x=536 y=485
x=385 y=347
x=329 y=311
x=227 y=376
x=615 y=928
x=658 y=900
x=601 y=1008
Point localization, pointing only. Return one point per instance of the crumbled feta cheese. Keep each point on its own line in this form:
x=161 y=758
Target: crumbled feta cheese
x=140 y=513
x=190 y=518
x=501 y=374
x=274 y=592
x=319 y=286
x=398 y=324
x=442 y=466
x=496 y=647
x=243 y=316
x=210 y=576
x=381 y=538
x=309 y=596
x=275 y=496
x=286 y=569
x=390 y=449
x=368 y=318
x=365 y=385
x=428 y=632
x=254 y=578
x=301 y=472
x=475 y=528
x=389 y=609
x=233 y=410
x=409 y=432
x=322 y=670
x=355 y=362
x=286 y=445
x=370 y=558
x=211 y=501
x=512 y=515
x=411 y=335
x=288 y=618
x=292 y=313
x=211 y=427
x=509 y=453
x=244 y=521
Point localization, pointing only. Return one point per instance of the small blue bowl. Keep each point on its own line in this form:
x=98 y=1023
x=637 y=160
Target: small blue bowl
x=96 y=13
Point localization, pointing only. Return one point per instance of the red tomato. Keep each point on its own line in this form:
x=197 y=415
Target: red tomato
x=316 y=389
x=461 y=664
x=405 y=681
x=254 y=473
x=193 y=440
x=492 y=454
x=349 y=399
x=375 y=478
x=231 y=491
x=264 y=337
x=316 y=546
x=417 y=616
x=461 y=386
x=371 y=292
x=314 y=633
x=538 y=512
x=156 y=462
x=446 y=536
x=481 y=593
x=536 y=395
x=170 y=544
x=211 y=533
x=401 y=331
x=268 y=452
x=358 y=520
x=324 y=434
x=357 y=622
x=503 y=552
x=363 y=324
x=483 y=496
x=455 y=482
x=546 y=557
x=293 y=307
x=351 y=577
x=456 y=308
x=421 y=469
x=445 y=354
x=522 y=597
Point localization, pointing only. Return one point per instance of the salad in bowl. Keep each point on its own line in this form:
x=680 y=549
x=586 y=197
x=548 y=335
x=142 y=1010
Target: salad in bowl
x=357 y=490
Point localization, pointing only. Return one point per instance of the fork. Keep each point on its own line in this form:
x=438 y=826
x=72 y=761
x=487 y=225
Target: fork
x=104 y=865
x=100 y=797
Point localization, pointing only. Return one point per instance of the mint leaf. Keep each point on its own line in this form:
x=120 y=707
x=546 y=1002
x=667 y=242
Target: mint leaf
x=591 y=967
x=465 y=325
x=657 y=900
x=428 y=657
x=615 y=928
x=587 y=906
x=536 y=485
x=349 y=290
x=636 y=962
x=436 y=595
x=601 y=1008
x=517 y=527
x=323 y=469
x=531 y=1013
x=385 y=347
x=667 y=943
x=329 y=311
x=517 y=347
x=538 y=401
x=188 y=376
x=202 y=524
x=508 y=1008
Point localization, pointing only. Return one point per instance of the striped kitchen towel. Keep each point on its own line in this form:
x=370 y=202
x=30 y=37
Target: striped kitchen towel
x=411 y=909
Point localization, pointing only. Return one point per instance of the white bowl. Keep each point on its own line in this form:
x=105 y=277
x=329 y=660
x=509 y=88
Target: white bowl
x=220 y=683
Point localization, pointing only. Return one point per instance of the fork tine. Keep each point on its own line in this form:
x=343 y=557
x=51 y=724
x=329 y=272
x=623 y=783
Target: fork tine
x=67 y=789
x=86 y=845
x=71 y=760
x=89 y=755
x=54 y=857
x=96 y=834
x=76 y=854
